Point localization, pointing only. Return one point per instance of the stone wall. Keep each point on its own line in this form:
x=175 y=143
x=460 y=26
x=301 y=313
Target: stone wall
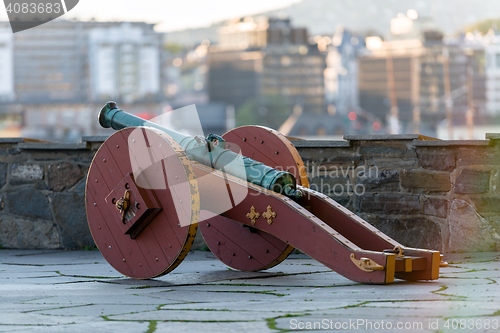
x=426 y=193
x=42 y=189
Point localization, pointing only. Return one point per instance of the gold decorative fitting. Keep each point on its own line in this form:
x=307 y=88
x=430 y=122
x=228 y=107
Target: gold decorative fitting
x=253 y=215
x=122 y=204
x=366 y=264
x=442 y=263
x=398 y=251
x=269 y=215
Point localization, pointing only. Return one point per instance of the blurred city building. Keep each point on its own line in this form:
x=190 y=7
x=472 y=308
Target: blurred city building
x=7 y=93
x=266 y=68
x=9 y=123
x=260 y=70
x=482 y=91
x=54 y=78
x=418 y=78
x=341 y=74
x=185 y=72
x=124 y=63
x=491 y=62
x=341 y=83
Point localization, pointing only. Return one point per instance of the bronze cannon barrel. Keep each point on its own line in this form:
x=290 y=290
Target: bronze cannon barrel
x=216 y=157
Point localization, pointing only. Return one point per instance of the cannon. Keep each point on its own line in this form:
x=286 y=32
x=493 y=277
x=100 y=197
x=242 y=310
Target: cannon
x=150 y=188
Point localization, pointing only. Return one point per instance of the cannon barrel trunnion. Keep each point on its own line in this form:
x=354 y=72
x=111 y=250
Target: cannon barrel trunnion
x=149 y=188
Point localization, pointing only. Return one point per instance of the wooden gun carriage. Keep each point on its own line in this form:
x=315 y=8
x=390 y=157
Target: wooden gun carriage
x=149 y=188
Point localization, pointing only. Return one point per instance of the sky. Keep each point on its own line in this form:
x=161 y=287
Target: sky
x=171 y=15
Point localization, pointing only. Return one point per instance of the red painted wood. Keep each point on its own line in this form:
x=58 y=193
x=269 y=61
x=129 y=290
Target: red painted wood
x=241 y=247
x=234 y=245
x=156 y=249
x=269 y=147
x=298 y=227
x=347 y=223
x=226 y=237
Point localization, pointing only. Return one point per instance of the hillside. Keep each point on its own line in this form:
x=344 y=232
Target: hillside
x=322 y=16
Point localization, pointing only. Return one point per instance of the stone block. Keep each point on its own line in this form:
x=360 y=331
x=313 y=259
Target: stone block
x=472 y=181
x=3 y=173
x=40 y=146
x=29 y=202
x=387 y=149
x=333 y=186
x=332 y=170
x=438 y=162
x=333 y=156
x=22 y=173
x=392 y=163
x=416 y=232
x=342 y=200
x=426 y=181
x=374 y=180
x=478 y=156
x=383 y=137
x=63 y=175
x=486 y=204
x=80 y=186
x=21 y=233
x=70 y=216
x=435 y=207
x=389 y=203
x=469 y=232
x=340 y=189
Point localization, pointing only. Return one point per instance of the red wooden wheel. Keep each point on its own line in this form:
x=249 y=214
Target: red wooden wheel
x=239 y=246
x=148 y=173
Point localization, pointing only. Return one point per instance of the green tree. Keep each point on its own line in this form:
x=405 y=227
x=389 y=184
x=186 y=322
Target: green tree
x=272 y=111
x=484 y=26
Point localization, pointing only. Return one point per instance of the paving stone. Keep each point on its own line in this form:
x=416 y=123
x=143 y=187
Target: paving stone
x=340 y=323
x=247 y=327
x=63 y=291
x=96 y=310
x=199 y=315
x=88 y=326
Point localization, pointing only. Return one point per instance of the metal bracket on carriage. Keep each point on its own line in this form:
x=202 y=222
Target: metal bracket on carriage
x=366 y=264
x=136 y=206
x=397 y=250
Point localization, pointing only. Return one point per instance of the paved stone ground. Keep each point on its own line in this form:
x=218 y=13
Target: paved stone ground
x=56 y=291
